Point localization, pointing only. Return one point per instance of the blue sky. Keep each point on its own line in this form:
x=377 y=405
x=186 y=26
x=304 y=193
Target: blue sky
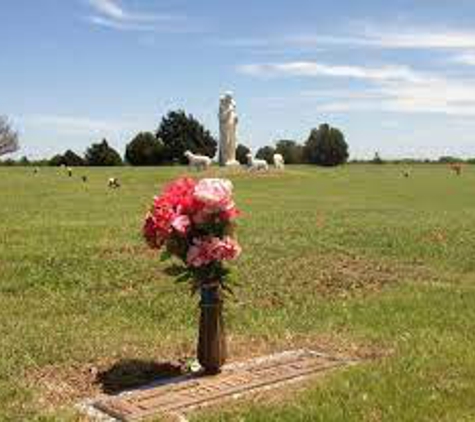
x=396 y=76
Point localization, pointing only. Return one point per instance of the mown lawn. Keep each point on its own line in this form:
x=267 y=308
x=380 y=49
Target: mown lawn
x=356 y=260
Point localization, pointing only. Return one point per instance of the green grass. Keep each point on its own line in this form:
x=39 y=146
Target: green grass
x=357 y=255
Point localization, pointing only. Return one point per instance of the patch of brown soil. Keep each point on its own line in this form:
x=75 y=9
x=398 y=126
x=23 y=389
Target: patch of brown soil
x=437 y=236
x=245 y=347
x=338 y=274
x=63 y=385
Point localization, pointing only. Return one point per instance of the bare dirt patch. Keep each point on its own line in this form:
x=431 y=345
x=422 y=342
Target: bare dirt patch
x=339 y=275
x=65 y=385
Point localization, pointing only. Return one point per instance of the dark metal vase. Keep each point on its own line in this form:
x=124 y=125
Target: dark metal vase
x=212 y=339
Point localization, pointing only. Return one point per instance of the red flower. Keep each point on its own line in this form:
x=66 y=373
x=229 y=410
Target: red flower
x=163 y=217
x=150 y=232
x=179 y=195
x=186 y=204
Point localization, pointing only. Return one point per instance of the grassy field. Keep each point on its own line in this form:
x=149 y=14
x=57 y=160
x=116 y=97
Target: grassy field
x=356 y=260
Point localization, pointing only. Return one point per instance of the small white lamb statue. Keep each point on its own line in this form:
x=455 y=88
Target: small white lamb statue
x=278 y=161
x=256 y=164
x=200 y=162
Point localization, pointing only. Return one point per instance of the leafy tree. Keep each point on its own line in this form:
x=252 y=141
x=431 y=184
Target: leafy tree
x=377 y=159
x=8 y=137
x=145 y=150
x=180 y=132
x=291 y=151
x=326 y=146
x=23 y=161
x=56 y=160
x=71 y=159
x=101 y=154
x=8 y=162
x=241 y=153
x=266 y=153
x=449 y=159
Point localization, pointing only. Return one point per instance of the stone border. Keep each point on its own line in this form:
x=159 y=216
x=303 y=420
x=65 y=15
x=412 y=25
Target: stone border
x=304 y=363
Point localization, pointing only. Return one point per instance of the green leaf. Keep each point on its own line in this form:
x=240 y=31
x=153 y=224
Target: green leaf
x=165 y=256
x=183 y=278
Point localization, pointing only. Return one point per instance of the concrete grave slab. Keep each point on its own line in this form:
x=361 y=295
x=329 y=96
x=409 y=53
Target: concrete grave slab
x=182 y=395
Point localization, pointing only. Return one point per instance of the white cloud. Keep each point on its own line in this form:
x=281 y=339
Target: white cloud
x=391 y=39
x=439 y=96
x=421 y=39
x=391 y=88
x=466 y=59
x=108 y=8
x=119 y=25
x=398 y=88
x=367 y=35
x=316 y=69
x=111 y=14
x=446 y=96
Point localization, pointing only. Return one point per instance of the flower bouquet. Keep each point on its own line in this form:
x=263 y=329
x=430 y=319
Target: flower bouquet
x=194 y=222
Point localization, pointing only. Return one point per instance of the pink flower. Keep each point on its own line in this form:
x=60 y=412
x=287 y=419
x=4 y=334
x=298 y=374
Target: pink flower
x=229 y=213
x=226 y=250
x=196 y=256
x=181 y=223
x=215 y=194
x=203 y=252
x=189 y=214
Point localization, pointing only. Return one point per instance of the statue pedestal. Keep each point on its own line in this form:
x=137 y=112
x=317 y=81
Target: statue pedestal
x=232 y=164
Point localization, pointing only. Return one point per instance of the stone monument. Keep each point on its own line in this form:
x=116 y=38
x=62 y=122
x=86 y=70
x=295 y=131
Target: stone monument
x=228 y=121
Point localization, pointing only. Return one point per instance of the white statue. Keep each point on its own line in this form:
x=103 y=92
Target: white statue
x=279 y=162
x=228 y=121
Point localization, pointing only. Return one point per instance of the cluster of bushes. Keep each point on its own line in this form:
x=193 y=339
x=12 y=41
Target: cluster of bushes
x=100 y=154
x=179 y=132
x=325 y=146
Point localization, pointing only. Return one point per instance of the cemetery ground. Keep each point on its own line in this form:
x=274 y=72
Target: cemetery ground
x=358 y=261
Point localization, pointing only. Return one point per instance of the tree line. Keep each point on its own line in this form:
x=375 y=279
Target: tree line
x=179 y=132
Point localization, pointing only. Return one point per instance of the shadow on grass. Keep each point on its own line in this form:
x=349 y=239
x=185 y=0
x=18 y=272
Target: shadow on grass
x=174 y=270
x=131 y=373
